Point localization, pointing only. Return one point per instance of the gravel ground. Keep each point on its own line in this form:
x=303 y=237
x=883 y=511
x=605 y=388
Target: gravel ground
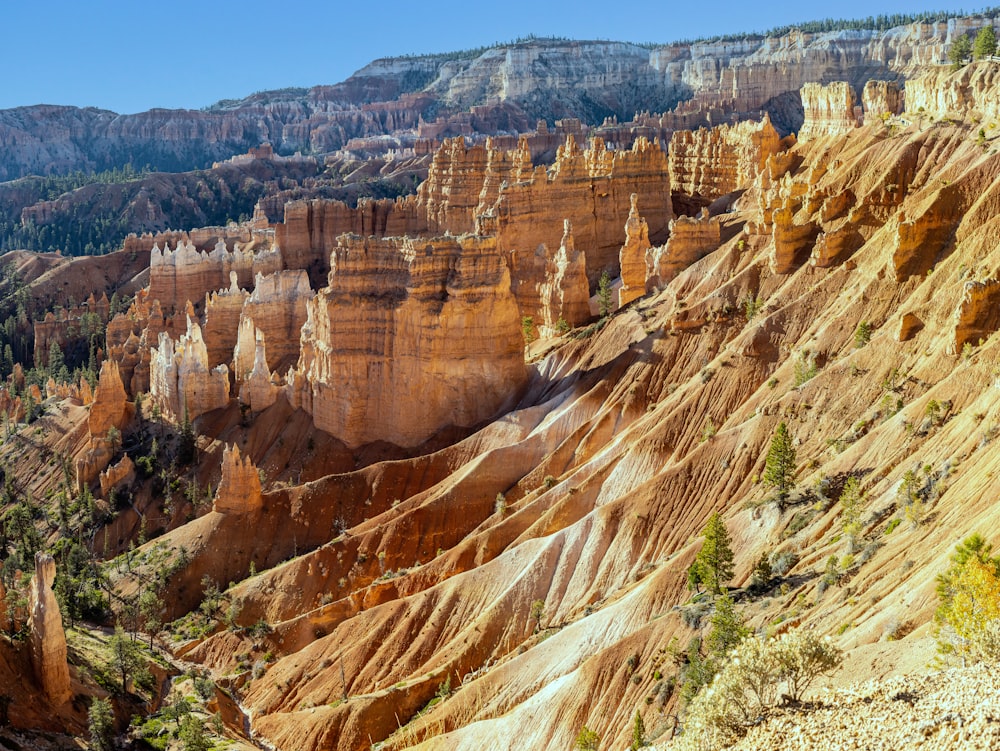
x=954 y=709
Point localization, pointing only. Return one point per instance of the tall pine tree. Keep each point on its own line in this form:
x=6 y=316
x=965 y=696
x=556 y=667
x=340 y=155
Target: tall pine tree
x=779 y=468
x=715 y=559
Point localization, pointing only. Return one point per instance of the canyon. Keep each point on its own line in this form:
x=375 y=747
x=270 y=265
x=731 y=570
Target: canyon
x=432 y=470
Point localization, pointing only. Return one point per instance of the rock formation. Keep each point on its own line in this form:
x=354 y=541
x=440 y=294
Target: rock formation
x=921 y=238
x=940 y=92
x=186 y=274
x=435 y=341
x=690 y=240
x=48 y=640
x=881 y=99
x=239 y=488
x=977 y=316
x=829 y=110
x=591 y=188
x=181 y=381
x=564 y=296
x=710 y=163
x=223 y=311
x=121 y=473
x=110 y=409
x=277 y=307
x=258 y=388
x=632 y=256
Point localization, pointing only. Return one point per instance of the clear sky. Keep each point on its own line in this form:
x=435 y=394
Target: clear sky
x=132 y=55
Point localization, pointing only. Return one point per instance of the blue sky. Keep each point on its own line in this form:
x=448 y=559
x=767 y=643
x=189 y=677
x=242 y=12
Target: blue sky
x=132 y=55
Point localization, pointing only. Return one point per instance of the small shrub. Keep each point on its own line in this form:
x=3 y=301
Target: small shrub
x=862 y=334
x=805 y=368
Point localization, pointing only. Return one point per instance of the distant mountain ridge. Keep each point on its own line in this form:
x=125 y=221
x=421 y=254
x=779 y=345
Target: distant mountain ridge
x=528 y=80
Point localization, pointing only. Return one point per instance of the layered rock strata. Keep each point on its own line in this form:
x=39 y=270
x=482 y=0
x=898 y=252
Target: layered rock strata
x=881 y=99
x=181 y=381
x=410 y=336
x=48 y=639
x=691 y=238
x=239 y=488
x=632 y=256
x=710 y=163
x=564 y=296
x=828 y=110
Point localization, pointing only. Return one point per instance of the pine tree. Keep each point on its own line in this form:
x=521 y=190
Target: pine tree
x=851 y=499
x=604 y=294
x=985 y=44
x=638 y=733
x=779 y=470
x=728 y=629
x=961 y=50
x=100 y=723
x=715 y=559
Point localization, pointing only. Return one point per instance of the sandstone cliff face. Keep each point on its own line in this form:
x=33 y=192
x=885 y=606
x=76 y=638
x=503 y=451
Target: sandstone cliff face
x=977 y=316
x=592 y=188
x=881 y=98
x=710 y=163
x=109 y=409
x=632 y=256
x=409 y=336
x=564 y=296
x=181 y=380
x=186 y=274
x=239 y=488
x=829 y=110
x=690 y=239
x=277 y=308
x=48 y=640
x=970 y=91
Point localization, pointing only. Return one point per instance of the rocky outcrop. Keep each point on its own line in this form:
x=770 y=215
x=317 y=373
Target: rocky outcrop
x=691 y=239
x=632 y=256
x=977 y=316
x=921 y=238
x=968 y=92
x=881 y=99
x=828 y=110
x=710 y=163
x=223 y=310
x=909 y=325
x=186 y=274
x=122 y=473
x=410 y=336
x=48 y=639
x=592 y=188
x=277 y=307
x=110 y=407
x=239 y=490
x=834 y=247
x=258 y=388
x=564 y=296
x=791 y=240
x=181 y=381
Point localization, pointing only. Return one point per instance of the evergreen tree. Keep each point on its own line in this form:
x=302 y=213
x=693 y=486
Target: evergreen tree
x=728 y=628
x=587 y=740
x=715 y=559
x=985 y=44
x=101 y=725
x=638 y=733
x=604 y=294
x=779 y=469
x=126 y=657
x=961 y=50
